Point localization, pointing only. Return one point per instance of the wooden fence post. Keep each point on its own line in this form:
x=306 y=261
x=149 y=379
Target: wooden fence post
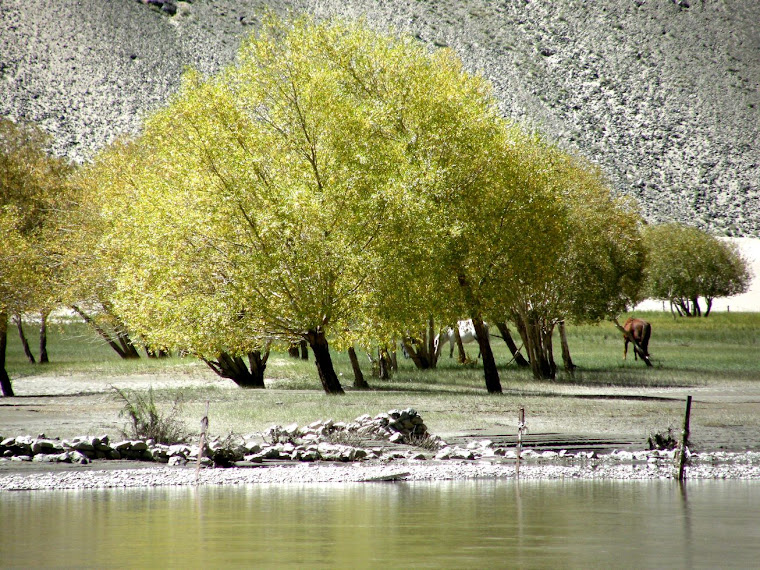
x=521 y=428
x=684 y=441
x=202 y=443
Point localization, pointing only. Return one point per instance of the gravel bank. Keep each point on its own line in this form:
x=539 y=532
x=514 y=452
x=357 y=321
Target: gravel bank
x=617 y=466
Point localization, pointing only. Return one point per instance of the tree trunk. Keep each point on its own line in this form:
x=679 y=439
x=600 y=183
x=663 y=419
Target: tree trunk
x=460 y=347
x=128 y=348
x=383 y=364
x=432 y=353
x=153 y=353
x=394 y=358
x=568 y=362
x=119 y=347
x=22 y=336
x=417 y=355
x=293 y=350
x=303 y=345
x=43 y=337
x=257 y=364
x=318 y=343
x=359 y=382
x=695 y=305
x=708 y=302
x=5 y=382
x=516 y=354
x=234 y=368
x=537 y=340
x=491 y=373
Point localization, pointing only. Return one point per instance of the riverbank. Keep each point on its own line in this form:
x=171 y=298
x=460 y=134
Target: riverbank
x=645 y=465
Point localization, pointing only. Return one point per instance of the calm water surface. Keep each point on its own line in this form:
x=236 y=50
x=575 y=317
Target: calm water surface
x=483 y=524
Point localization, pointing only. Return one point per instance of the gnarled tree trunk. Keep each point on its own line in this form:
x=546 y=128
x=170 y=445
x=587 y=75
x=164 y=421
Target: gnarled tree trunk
x=490 y=372
x=417 y=352
x=234 y=368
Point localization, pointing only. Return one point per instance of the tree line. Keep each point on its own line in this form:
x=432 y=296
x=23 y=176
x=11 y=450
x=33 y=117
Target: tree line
x=334 y=186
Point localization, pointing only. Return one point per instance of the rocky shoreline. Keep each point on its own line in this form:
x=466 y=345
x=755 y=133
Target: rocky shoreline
x=643 y=465
x=392 y=446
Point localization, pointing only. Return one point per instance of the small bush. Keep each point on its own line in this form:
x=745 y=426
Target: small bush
x=344 y=437
x=146 y=421
x=663 y=440
x=424 y=441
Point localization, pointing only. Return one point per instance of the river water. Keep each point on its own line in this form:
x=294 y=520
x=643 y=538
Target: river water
x=461 y=524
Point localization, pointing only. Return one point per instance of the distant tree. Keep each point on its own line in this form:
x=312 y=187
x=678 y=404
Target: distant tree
x=30 y=183
x=686 y=263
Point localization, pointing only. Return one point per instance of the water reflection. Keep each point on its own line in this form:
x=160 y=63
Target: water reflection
x=419 y=525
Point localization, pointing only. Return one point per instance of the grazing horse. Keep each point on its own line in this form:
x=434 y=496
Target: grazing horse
x=638 y=330
x=466 y=333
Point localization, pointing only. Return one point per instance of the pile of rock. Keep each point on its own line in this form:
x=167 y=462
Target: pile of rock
x=395 y=426
x=319 y=441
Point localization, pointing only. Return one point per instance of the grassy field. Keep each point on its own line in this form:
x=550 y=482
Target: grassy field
x=716 y=359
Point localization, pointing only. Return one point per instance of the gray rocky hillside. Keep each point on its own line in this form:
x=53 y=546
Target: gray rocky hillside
x=662 y=94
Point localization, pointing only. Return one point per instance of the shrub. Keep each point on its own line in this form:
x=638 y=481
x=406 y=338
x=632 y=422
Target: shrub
x=146 y=421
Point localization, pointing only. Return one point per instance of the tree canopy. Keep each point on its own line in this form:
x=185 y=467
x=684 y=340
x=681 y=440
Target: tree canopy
x=338 y=183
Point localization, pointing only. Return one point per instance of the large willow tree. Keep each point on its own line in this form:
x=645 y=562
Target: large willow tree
x=288 y=196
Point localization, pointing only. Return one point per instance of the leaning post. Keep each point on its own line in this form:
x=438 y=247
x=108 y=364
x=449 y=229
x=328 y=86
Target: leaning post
x=684 y=441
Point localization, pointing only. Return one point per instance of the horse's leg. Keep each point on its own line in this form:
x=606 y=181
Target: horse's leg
x=635 y=350
x=625 y=348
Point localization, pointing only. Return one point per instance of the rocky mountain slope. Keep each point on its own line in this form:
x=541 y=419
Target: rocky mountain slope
x=663 y=94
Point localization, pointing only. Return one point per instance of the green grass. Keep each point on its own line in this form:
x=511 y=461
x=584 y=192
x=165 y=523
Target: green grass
x=721 y=352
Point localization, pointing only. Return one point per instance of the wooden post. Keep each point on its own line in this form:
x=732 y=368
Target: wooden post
x=201 y=443
x=521 y=428
x=684 y=441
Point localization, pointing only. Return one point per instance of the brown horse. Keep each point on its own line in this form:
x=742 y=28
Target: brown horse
x=637 y=330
